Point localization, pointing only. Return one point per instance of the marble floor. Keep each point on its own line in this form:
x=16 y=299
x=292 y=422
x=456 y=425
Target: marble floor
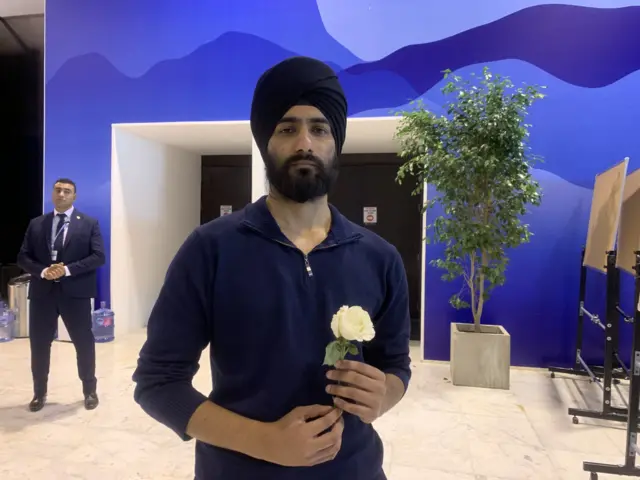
x=438 y=432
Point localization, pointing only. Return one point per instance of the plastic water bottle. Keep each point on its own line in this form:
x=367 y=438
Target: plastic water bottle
x=103 y=324
x=7 y=319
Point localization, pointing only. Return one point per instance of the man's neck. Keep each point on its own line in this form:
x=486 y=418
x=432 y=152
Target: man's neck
x=299 y=217
x=58 y=210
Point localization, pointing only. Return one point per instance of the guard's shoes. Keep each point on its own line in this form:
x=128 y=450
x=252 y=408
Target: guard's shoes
x=37 y=403
x=91 y=401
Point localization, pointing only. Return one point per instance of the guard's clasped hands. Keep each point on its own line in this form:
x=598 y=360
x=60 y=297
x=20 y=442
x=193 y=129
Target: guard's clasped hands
x=55 y=271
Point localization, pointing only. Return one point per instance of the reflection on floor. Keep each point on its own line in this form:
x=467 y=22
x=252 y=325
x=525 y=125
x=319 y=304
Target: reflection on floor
x=439 y=432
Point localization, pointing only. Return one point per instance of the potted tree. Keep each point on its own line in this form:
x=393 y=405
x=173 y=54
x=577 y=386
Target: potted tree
x=477 y=159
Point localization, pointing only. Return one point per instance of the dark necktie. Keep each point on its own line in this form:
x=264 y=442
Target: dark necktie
x=58 y=243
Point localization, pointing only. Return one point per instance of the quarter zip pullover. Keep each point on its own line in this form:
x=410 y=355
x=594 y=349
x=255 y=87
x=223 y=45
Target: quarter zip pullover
x=265 y=308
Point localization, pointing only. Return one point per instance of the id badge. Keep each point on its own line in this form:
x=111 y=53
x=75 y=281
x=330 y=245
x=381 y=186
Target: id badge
x=54 y=255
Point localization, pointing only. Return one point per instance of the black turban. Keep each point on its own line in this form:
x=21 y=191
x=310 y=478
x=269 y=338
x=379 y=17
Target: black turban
x=297 y=81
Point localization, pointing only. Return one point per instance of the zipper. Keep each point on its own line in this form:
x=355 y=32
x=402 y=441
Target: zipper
x=307 y=265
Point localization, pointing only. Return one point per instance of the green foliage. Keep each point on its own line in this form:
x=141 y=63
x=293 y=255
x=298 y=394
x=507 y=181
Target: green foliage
x=477 y=158
x=337 y=350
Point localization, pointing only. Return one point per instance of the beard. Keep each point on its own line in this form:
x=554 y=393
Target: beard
x=302 y=183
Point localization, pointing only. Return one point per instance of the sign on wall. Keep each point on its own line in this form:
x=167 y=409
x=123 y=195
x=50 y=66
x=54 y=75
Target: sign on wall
x=370 y=215
x=225 y=210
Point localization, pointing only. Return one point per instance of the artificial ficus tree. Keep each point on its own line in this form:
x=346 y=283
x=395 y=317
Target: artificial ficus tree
x=476 y=157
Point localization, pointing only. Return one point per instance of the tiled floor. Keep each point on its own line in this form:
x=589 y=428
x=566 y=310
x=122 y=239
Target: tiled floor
x=438 y=432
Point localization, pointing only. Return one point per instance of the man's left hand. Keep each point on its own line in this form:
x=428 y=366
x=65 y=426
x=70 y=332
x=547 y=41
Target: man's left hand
x=361 y=383
x=57 y=271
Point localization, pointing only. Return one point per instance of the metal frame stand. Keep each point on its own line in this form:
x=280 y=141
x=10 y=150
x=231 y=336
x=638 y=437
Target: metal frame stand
x=614 y=368
x=628 y=468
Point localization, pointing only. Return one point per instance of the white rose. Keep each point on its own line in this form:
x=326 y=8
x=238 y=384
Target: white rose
x=353 y=323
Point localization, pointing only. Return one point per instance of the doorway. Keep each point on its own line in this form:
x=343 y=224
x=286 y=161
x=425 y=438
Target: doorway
x=367 y=187
x=226 y=185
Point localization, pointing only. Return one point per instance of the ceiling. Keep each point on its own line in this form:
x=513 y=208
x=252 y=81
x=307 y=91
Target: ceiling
x=364 y=135
x=25 y=19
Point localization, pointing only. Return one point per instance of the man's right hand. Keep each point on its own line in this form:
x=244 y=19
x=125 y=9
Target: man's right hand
x=304 y=437
x=54 y=272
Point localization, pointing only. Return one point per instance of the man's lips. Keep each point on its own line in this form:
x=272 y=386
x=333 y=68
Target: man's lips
x=304 y=163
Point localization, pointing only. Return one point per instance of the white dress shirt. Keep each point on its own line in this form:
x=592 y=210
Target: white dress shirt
x=54 y=228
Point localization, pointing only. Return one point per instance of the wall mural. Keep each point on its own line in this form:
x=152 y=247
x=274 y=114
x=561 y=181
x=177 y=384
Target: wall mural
x=115 y=61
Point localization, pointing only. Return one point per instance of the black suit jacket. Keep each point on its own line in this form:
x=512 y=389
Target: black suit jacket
x=83 y=254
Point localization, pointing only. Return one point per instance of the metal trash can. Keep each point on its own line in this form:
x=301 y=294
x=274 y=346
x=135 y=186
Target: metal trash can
x=19 y=303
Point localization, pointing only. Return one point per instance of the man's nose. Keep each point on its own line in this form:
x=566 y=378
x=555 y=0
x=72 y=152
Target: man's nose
x=303 y=141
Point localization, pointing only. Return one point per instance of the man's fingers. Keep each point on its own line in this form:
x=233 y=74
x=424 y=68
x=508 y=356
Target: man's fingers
x=323 y=423
x=356 y=394
x=58 y=270
x=361 y=411
x=314 y=411
x=330 y=439
x=356 y=379
x=362 y=368
x=325 y=455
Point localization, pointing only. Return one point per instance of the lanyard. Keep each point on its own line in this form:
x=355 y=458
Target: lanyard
x=64 y=228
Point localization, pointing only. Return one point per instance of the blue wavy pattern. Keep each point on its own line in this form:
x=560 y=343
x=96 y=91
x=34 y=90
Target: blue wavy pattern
x=574 y=35
x=568 y=124
x=149 y=31
x=357 y=23
x=573 y=129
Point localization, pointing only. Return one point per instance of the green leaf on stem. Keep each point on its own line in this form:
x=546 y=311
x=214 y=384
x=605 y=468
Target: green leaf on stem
x=333 y=353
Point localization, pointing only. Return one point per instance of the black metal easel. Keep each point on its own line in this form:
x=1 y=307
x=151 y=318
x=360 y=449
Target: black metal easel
x=614 y=368
x=628 y=468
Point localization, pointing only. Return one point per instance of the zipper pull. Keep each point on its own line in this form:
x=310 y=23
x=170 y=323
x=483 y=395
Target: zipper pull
x=307 y=265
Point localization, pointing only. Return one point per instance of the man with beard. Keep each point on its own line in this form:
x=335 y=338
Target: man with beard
x=260 y=287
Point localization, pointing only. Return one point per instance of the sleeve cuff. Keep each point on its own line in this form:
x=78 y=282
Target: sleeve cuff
x=67 y=273
x=403 y=375
x=42 y=273
x=174 y=408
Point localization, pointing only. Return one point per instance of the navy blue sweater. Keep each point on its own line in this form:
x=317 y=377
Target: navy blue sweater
x=240 y=286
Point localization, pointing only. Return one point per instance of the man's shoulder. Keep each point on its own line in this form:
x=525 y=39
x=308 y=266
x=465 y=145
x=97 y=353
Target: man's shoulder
x=83 y=216
x=222 y=226
x=40 y=219
x=374 y=243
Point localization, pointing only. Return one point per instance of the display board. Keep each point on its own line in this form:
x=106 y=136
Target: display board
x=605 y=215
x=629 y=231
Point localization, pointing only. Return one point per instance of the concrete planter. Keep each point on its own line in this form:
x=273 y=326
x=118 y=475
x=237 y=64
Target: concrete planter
x=480 y=359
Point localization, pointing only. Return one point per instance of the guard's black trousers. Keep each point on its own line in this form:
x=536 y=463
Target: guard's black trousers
x=43 y=323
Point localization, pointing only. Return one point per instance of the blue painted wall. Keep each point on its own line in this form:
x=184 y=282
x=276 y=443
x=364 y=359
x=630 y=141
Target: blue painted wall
x=110 y=61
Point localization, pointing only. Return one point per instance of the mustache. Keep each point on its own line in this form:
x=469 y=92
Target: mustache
x=309 y=157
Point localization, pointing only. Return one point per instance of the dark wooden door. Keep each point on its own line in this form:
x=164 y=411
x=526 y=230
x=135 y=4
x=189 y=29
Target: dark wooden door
x=368 y=180
x=226 y=181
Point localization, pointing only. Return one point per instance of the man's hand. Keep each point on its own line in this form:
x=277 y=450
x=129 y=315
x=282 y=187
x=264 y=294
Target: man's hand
x=55 y=271
x=304 y=437
x=361 y=383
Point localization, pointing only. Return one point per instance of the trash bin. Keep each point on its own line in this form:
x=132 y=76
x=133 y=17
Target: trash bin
x=19 y=303
x=7 y=272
